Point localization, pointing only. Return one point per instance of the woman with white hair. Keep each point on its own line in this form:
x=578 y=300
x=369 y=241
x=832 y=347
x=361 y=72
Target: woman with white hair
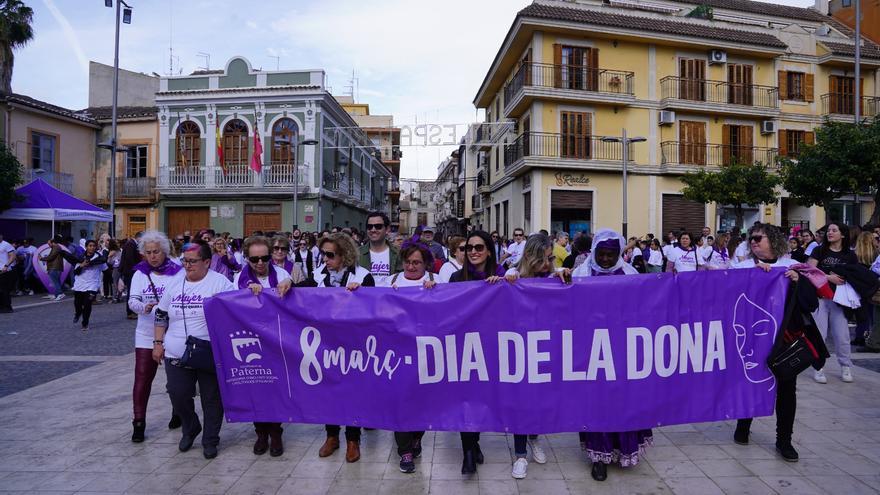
x=151 y=276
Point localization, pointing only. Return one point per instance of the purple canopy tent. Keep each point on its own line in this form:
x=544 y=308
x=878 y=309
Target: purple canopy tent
x=40 y=201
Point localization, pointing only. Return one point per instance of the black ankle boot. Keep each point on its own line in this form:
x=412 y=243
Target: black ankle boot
x=786 y=450
x=469 y=463
x=478 y=454
x=175 y=422
x=741 y=436
x=137 y=436
x=599 y=471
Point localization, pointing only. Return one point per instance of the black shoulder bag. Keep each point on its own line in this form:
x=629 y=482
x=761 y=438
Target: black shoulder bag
x=796 y=353
x=197 y=353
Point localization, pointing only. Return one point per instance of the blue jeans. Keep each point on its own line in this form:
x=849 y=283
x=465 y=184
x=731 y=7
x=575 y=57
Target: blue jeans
x=55 y=277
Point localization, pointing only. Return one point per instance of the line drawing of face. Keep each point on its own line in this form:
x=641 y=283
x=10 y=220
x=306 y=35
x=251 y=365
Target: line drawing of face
x=751 y=324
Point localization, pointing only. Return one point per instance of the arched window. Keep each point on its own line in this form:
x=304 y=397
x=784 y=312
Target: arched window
x=284 y=136
x=235 y=143
x=189 y=144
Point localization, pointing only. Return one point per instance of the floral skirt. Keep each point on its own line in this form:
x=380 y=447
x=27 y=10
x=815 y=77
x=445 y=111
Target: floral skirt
x=622 y=447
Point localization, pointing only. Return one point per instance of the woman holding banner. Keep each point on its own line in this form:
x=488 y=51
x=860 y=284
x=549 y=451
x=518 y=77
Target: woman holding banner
x=416 y=258
x=480 y=264
x=341 y=269
x=604 y=448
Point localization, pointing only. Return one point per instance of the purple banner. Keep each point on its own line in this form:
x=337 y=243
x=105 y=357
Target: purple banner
x=613 y=353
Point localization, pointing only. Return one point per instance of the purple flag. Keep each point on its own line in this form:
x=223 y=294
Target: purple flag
x=603 y=354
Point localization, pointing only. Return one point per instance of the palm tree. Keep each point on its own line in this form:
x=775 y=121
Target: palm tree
x=15 y=31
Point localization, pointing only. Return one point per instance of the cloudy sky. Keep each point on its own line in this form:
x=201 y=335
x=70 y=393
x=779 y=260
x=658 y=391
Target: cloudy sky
x=420 y=60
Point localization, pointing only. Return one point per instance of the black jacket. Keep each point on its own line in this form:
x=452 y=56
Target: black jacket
x=799 y=306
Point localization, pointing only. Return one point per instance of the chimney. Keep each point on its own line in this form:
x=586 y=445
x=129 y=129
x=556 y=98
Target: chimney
x=821 y=6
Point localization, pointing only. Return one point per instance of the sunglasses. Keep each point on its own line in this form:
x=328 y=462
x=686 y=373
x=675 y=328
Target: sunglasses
x=327 y=254
x=257 y=259
x=460 y=249
x=280 y=248
x=756 y=238
x=475 y=247
x=375 y=226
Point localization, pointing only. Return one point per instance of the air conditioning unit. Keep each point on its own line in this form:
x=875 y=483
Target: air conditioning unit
x=717 y=57
x=768 y=126
x=667 y=117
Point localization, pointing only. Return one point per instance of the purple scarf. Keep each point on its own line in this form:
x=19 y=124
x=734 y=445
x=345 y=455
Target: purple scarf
x=248 y=277
x=167 y=267
x=479 y=275
x=288 y=266
x=223 y=265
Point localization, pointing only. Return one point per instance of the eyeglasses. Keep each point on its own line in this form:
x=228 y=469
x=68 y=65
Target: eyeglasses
x=756 y=238
x=475 y=247
x=494 y=236
x=327 y=254
x=190 y=261
x=257 y=259
x=375 y=226
x=280 y=248
x=413 y=262
x=517 y=235
x=461 y=249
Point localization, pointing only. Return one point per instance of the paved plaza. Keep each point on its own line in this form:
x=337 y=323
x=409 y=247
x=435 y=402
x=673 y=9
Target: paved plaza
x=65 y=423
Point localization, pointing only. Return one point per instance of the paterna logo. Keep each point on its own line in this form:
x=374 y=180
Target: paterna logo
x=246 y=343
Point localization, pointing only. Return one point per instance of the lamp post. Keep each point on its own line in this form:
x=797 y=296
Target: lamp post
x=307 y=142
x=625 y=141
x=126 y=18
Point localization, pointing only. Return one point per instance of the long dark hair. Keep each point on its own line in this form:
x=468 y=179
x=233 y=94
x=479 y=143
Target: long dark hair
x=491 y=262
x=845 y=243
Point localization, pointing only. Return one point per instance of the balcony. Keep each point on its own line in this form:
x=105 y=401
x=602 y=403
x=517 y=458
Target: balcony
x=571 y=83
x=681 y=157
x=483 y=137
x=842 y=106
x=703 y=95
x=483 y=182
x=476 y=203
x=134 y=188
x=196 y=178
x=61 y=181
x=565 y=151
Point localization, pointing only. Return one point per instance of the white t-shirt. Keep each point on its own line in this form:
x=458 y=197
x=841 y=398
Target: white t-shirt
x=89 y=278
x=182 y=296
x=705 y=253
x=742 y=251
x=141 y=295
x=447 y=270
x=264 y=281
x=515 y=250
x=666 y=249
x=655 y=258
x=809 y=249
x=380 y=264
x=402 y=281
x=750 y=262
x=684 y=261
x=5 y=249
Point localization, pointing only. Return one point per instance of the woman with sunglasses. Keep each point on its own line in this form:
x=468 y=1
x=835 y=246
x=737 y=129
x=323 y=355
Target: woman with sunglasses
x=481 y=263
x=341 y=269
x=456 y=258
x=281 y=259
x=303 y=255
x=221 y=262
x=604 y=448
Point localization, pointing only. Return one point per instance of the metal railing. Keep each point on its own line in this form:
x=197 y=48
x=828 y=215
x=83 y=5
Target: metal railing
x=754 y=95
x=541 y=144
x=845 y=104
x=59 y=180
x=133 y=187
x=714 y=155
x=575 y=77
x=190 y=176
x=280 y=174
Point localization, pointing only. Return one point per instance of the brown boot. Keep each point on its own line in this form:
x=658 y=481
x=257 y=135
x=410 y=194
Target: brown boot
x=352 y=451
x=277 y=446
x=330 y=446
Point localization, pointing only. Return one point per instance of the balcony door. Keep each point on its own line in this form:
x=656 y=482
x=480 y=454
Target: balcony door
x=692 y=82
x=576 y=131
x=739 y=79
x=692 y=142
x=736 y=144
x=843 y=94
x=235 y=148
x=576 y=67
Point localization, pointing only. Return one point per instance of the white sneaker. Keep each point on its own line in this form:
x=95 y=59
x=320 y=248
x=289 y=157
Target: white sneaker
x=520 y=467
x=820 y=377
x=30 y=292
x=846 y=374
x=60 y=297
x=537 y=452
x=49 y=296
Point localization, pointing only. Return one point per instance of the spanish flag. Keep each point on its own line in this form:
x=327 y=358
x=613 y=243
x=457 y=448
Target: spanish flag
x=220 y=151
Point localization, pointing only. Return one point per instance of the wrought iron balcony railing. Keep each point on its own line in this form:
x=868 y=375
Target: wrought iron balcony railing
x=704 y=90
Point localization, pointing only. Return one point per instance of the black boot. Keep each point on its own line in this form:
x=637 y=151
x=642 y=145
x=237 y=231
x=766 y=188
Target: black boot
x=175 y=422
x=276 y=445
x=478 y=454
x=786 y=450
x=139 y=425
x=469 y=463
x=262 y=443
x=741 y=435
x=599 y=471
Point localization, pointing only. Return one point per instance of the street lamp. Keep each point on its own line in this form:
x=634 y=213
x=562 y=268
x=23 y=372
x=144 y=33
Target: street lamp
x=307 y=142
x=126 y=17
x=625 y=141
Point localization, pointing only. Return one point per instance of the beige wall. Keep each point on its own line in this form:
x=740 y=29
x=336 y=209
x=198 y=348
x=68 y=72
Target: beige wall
x=128 y=133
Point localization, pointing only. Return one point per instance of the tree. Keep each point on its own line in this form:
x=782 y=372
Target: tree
x=15 y=32
x=844 y=160
x=10 y=176
x=736 y=184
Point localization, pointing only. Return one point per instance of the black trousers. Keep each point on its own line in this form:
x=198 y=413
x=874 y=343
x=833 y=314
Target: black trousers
x=406 y=439
x=181 y=389
x=470 y=440
x=127 y=280
x=786 y=405
x=82 y=305
x=7 y=280
x=351 y=432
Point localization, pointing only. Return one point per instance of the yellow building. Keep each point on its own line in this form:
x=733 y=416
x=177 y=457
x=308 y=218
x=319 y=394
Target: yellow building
x=733 y=80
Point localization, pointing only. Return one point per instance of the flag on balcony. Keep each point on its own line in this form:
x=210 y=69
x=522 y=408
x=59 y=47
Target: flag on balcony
x=257 y=158
x=220 y=151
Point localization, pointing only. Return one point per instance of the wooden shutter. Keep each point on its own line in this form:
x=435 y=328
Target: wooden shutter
x=593 y=69
x=746 y=134
x=571 y=199
x=725 y=144
x=783 y=142
x=809 y=137
x=681 y=213
x=557 y=65
x=783 y=84
x=808 y=87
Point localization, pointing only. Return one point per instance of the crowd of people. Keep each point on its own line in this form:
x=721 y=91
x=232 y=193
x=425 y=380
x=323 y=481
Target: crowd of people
x=164 y=281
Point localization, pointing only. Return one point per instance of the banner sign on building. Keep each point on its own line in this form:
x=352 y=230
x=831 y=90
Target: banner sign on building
x=614 y=353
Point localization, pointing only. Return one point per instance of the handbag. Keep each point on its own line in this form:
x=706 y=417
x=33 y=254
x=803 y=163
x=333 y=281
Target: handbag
x=793 y=359
x=197 y=353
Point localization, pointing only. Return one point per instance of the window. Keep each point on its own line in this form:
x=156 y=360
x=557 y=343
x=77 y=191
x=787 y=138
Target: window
x=736 y=144
x=235 y=143
x=422 y=218
x=576 y=67
x=136 y=161
x=791 y=142
x=506 y=218
x=846 y=3
x=692 y=82
x=188 y=144
x=576 y=131
x=284 y=135
x=795 y=86
x=43 y=151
